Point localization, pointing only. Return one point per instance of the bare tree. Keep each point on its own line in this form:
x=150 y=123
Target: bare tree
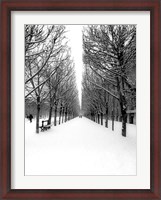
x=42 y=46
x=110 y=52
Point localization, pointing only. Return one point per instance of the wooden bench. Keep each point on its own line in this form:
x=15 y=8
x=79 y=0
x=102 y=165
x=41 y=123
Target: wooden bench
x=45 y=127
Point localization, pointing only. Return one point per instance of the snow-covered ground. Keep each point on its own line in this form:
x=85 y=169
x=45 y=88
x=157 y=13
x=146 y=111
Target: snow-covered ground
x=80 y=147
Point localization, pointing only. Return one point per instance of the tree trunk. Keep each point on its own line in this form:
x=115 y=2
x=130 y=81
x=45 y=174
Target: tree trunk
x=51 y=107
x=92 y=117
x=55 y=115
x=123 y=107
x=50 y=114
x=98 y=118
x=38 y=115
x=106 y=117
x=112 y=120
x=66 y=112
x=101 y=118
x=123 y=110
x=63 y=114
x=124 y=121
x=60 y=116
x=72 y=115
x=68 y=116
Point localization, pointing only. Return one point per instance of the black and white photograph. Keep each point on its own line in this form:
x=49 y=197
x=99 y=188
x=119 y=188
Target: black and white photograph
x=80 y=100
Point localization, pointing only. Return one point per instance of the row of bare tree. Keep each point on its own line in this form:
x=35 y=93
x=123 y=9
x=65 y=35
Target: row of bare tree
x=49 y=73
x=109 y=80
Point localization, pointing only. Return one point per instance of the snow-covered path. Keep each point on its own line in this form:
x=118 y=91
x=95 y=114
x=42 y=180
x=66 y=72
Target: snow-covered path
x=80 y=147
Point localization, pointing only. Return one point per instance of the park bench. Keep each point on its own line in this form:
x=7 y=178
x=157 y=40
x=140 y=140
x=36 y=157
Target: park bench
x=45 y=127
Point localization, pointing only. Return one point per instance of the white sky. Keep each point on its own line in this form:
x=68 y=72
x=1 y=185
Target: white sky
x=74 y=34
